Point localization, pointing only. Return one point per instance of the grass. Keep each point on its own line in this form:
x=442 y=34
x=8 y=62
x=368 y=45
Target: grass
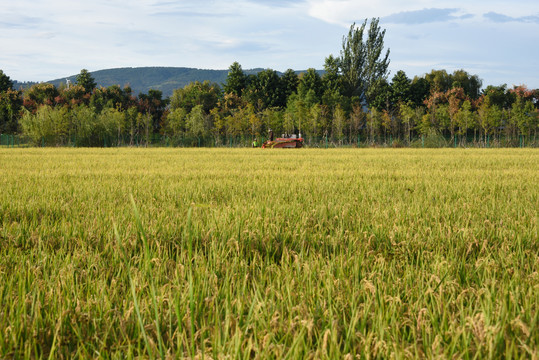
x=249 y=253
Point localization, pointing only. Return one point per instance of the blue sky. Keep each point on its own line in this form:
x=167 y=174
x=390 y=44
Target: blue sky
x=44 y=40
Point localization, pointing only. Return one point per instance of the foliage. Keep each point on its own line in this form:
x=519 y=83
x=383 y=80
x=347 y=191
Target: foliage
x=205 y=94
x=10 y=109
x=5 y=82
x=361 y=61
x=86 y=80
x=49 y=125
x=236 y=80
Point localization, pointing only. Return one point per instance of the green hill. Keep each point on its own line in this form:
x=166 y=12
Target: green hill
x=142 y=79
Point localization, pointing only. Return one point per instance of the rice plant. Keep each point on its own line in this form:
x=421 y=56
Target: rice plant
x=249 y=253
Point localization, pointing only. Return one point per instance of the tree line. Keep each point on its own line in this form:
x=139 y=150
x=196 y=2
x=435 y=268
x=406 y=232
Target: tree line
x=353 y=98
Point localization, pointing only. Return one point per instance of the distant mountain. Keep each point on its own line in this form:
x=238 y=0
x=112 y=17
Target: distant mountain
x=166 y=79
x=142 y=79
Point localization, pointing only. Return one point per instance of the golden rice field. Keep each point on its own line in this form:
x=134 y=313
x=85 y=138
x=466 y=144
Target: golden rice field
x=269 y=254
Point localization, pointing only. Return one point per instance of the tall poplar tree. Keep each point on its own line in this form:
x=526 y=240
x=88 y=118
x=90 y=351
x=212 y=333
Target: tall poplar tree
x=361 y=61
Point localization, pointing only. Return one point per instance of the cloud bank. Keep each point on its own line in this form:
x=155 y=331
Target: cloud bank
x=43 y=40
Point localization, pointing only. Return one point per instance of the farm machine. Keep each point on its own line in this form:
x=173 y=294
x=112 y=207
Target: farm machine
x=285 y=141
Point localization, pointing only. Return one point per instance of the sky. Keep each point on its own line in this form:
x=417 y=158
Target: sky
x=45 y=40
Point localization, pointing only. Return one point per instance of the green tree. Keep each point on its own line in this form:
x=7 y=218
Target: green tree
x=296 y=114
x=40 y=94
x=361 y=61
x=439 y=80
x=175 y=122
x=195 y=122
x=419 y=90
x=10 y=110
x=401 y=88
x=407 y=115
x=331 y=78
x=290 y=82
x=379 y=95
x=523 y=116
x=237 y=123
x=112 y=96
x=499 y=95
x=84 y=126
x=154 y=105
x=236 y=80
x=267 y=90
x=310 y=81
x=455 y=98
x=205 y=94
x=85 y=79
x=374 y=121
x=465 y=118
x=471 y=84
x=357 y=119
x=488 y=116
x=74 y=95
x=5 y=82
x=110 y=124
x=49 y=125
x=339 y=123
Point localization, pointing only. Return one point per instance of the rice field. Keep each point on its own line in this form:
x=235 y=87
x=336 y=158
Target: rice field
x=269 y=254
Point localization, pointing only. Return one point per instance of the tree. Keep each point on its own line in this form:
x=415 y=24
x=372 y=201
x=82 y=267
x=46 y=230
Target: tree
x=267 y=90
x=361 y=62
x=310 y=81
x=236 y=80
x=5 y=82
x=455 y=98
x=112 y=96
x=465 y=118
x=374 y=120
x=205 y=94
x=74 y=95
x=290 y=82
x=499 y=95
x=401 y=88
x=523 y=115
x=195 y=122
x=40 y=94
x=331 y=77
x=10 y=109
x=407 y=114
x=439 y=80
x=154 y=105
x=339 y=123
x=85 y=79
x=419 y=90
x=357 y=118
x=471 y=84
x=48 y=124
x=488 y=116
x=175 y=122
x=84 y=126
x=379 y=95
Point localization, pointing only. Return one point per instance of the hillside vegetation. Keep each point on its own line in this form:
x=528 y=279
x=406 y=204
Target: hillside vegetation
x=165 y=79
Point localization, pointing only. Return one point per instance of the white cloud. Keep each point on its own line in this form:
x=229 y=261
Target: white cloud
x=344 y=12
x=47 y=39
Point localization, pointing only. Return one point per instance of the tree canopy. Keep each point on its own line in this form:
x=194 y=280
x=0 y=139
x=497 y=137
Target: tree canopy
x=361 y=61
x=86 y=80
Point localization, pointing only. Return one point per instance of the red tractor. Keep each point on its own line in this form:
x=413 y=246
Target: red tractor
x=286 y=141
